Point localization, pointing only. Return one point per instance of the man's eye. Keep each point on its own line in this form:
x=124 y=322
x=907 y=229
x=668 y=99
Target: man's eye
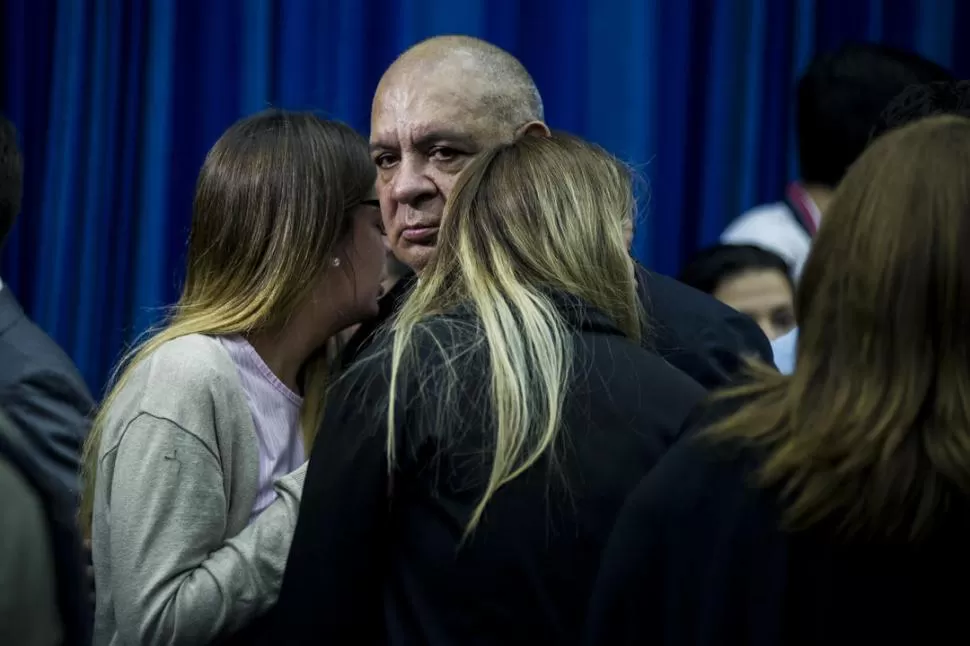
x=444 y=154
x=385 y=160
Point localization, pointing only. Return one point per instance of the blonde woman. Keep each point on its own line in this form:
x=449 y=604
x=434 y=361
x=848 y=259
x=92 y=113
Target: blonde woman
x=834 y=506
x=193 y=469
x=477 y=454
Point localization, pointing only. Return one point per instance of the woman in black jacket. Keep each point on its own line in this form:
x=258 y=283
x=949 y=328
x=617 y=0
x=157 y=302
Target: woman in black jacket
x=833 y=507
x=471 y=463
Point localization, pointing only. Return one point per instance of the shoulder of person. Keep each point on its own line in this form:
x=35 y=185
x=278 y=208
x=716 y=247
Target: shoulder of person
x=190 y=381
x=673 y=303
x=668 y=378
x=29 y=354
x=438 y=337
x=42 y=389
x=678 y=310
x=439 y=342
x=640 y=379
x=697 y=474
x=60 y=388
x=192 y=362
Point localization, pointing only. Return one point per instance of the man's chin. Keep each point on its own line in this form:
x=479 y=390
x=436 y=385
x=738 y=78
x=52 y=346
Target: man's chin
x=415 y=256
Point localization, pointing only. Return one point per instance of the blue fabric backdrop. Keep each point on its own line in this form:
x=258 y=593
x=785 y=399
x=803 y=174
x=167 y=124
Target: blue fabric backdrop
x=118 y=100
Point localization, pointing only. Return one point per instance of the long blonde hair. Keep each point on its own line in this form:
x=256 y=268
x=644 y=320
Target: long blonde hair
x=536 y=216
x=871 y=434
x=272 y=202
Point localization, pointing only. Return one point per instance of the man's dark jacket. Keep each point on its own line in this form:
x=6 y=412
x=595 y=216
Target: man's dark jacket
x=43 y=394
x=694 y=332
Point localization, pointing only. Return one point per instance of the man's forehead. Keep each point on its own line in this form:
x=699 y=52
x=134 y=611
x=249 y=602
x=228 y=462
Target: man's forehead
x=417 y=112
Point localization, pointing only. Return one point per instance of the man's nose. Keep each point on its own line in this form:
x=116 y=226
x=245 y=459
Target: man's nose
x=411 y=183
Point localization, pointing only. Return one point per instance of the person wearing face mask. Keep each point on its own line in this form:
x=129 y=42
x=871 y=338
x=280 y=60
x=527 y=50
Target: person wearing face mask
x=446 y=100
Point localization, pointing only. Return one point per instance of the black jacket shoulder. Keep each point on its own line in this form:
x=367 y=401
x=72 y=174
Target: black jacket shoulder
x=44 y=395
x=381 y=554
x=696 y=333
x=693 y=331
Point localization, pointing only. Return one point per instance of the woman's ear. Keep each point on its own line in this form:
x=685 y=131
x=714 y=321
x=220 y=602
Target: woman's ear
x=533 y=129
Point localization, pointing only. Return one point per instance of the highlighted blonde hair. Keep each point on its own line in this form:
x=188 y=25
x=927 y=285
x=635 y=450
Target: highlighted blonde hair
x=536 y=216
x=272 y=203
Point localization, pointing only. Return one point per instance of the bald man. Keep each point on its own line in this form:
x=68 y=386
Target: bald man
x=449 y=98
x=437 y=107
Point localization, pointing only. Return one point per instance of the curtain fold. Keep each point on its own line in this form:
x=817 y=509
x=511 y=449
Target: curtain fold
x=117 y=102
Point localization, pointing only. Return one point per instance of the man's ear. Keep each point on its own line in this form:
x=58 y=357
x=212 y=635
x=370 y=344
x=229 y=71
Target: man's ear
x=533 y=129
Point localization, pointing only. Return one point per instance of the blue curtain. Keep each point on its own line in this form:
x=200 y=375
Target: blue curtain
x=117 y=102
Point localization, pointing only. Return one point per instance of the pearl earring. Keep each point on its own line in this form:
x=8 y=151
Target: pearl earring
x=335 y=262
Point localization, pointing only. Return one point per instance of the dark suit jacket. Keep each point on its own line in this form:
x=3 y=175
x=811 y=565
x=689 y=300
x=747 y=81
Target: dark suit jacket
x=43 y=394
x=694 y=332
x=362 y=563
x=52 y=545
x=697 y=333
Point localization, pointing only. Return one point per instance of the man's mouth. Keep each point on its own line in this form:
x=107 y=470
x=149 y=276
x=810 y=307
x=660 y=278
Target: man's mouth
x=420 y=235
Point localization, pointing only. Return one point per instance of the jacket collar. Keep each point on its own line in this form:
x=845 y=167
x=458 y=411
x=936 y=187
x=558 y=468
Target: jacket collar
x=580 y=314
x=577 y=312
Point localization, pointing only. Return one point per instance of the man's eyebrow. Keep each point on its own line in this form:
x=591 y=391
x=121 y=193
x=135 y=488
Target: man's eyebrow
x=427 y=139
x=431 y=137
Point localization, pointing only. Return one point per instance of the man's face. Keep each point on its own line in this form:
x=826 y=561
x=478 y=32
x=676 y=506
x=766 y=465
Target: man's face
x=423 y=133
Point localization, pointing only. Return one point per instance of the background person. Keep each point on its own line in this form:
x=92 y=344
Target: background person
x=40 y=389
x=914 y=103
x=839 y=98
x=749 y=279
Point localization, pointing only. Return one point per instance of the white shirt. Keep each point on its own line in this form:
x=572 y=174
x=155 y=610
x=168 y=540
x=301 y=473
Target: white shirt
x=773 y=227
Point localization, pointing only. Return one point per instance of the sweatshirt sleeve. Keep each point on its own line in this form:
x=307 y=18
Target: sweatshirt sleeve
x=176 y=578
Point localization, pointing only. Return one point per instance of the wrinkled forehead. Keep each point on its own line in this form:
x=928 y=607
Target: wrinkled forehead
x=410 y=107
